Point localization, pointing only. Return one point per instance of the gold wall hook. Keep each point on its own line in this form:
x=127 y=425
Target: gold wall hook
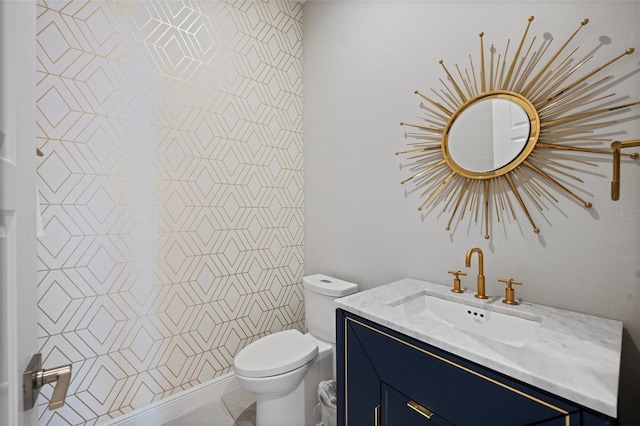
x=615 y=181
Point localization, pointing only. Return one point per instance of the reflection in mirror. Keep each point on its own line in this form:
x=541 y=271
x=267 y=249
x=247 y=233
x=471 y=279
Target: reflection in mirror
x=488 y=135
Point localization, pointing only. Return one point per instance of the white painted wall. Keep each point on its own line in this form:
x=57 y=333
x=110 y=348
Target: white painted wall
x=362 y=62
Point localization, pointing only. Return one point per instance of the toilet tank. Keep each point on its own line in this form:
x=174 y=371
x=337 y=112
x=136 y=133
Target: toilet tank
x=320 y=293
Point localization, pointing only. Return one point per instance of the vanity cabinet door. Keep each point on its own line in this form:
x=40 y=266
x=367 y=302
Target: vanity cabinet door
x=356 y=373
x=377 y=366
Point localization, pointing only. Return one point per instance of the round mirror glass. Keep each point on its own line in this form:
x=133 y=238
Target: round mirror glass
x=488 y=135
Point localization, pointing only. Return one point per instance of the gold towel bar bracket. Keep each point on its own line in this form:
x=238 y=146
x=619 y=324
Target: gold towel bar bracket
x=615 y=181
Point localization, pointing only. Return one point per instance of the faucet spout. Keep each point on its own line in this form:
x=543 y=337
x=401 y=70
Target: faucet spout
x=480 y=294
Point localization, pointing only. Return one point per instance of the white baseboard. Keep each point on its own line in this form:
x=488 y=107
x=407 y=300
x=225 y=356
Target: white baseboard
x=176 y=405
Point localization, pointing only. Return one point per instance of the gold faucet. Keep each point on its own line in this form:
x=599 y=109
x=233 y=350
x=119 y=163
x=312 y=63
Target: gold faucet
x=480 y=294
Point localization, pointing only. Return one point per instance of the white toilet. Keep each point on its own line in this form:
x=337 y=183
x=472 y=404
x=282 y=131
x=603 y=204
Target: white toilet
x=285 y=368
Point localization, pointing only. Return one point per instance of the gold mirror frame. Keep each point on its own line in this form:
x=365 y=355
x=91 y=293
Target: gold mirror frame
x=559 y=105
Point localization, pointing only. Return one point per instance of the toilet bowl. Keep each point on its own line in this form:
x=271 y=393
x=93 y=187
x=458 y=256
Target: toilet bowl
x=287 y=397
x=284 y=369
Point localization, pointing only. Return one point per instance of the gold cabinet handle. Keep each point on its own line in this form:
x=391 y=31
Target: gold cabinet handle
x=420 y=409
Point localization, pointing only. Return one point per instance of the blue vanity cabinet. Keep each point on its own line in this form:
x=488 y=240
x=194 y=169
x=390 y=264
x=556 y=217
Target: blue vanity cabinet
x=388 y=379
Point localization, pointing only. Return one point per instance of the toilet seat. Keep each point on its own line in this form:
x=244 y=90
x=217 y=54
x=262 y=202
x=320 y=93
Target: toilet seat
x=275 y=354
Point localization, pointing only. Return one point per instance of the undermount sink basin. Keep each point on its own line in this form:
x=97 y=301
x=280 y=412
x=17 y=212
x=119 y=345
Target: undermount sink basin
x=506 y=328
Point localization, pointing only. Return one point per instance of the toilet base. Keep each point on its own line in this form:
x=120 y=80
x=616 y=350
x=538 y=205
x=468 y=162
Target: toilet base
x=273 y=409
x=296 y=408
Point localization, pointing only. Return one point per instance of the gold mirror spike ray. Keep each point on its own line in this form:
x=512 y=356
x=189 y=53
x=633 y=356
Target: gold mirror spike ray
x=560 y=105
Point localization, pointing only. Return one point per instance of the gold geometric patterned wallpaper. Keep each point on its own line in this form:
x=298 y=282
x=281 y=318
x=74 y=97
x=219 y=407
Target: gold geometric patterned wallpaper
x=171 y=192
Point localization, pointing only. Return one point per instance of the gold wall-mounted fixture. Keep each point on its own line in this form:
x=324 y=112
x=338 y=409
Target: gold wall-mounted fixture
x=504 y=133
x=615 y=180
x=509 y=292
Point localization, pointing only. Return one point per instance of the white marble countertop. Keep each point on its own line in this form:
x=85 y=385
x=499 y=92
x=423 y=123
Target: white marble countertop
x=572 y=355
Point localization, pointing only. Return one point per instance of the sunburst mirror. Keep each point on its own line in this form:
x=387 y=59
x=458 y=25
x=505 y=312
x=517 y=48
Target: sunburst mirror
x=503 y=134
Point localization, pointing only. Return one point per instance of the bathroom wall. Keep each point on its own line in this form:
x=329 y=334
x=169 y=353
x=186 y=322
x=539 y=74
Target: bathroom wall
x=363 y=61
x=171 y=192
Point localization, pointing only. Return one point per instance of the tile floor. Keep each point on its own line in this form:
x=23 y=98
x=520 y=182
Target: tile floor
x=237 y=408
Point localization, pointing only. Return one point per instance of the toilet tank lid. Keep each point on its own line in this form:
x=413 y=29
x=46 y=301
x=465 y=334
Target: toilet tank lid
x=329 y=286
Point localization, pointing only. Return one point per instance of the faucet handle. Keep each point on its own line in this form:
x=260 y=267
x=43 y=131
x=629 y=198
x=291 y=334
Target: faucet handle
x=456 y=281
x=509 y=292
